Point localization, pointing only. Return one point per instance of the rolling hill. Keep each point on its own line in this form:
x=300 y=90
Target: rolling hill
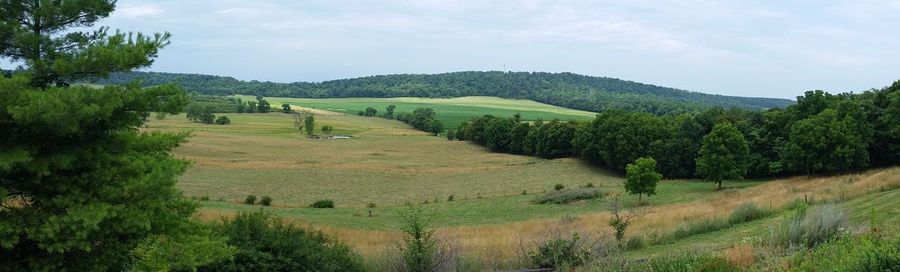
x=560 y=89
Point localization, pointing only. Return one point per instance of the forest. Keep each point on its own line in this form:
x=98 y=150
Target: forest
x=822 y=134
x=560 y=89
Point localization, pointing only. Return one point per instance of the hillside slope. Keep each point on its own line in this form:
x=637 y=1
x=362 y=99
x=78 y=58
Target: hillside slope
x=560 y=89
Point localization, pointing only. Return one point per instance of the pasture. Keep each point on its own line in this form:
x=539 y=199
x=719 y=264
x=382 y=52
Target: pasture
x=390 y=165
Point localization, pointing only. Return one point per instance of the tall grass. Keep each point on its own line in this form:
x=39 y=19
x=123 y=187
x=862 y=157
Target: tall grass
x=809 y=228
x=745 y=213
x=568 y=195
x=496 y=246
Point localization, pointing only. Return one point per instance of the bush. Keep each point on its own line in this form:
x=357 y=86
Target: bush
x=250 y=200
x=745 y=213
x=561 y=253
x=323 y=204
x=809 y=229
x=863 y=253
x=204 y=198
x=327 y=129
x=450 y=198
x=264 y=243
x=223 y=120
x=568 y=195
x=635 y=242
x=559 y=187
x=589 y=185
x=266 y=201
x=419 y=250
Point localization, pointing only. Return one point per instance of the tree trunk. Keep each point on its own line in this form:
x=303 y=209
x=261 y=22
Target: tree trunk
x=720 y=186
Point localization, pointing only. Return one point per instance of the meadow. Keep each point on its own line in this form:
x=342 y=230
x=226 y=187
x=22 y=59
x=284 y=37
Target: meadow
x=450 y=111
x=389 y=164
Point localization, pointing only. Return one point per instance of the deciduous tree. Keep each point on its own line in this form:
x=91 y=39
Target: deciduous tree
x=641 y=177
x=723 y=155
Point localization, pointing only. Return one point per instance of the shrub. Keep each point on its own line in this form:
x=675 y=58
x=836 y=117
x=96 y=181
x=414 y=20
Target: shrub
x=327 y=129
x=264 y=243
x=323 y=204
x=635 y=242
x=419 y=250
x=223 y=120
x=204 y=198
x=809 y=229
x=568 y=195
x=450 y=198
x=266 y=200
x=745 y=213
x=589 y=185
x=561 y=253
x=524 y=192
x=250 y=200
x=559 y=187
x=370 y=206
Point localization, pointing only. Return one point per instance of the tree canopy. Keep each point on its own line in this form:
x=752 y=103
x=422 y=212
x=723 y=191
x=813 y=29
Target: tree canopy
x=641 y=177
x=560 y=89
x=723 y=155
x=81 y=188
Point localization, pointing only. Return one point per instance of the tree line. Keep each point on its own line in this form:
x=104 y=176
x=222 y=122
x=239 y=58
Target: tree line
x=421 y=118
x=821 y=133
x=560 y=89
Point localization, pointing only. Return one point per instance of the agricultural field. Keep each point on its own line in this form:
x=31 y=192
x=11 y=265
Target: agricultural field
x=450 y=111
x=389 y=164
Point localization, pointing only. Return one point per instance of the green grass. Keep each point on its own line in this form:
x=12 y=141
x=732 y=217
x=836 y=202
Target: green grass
x=451 y=111
x=885 y=205
x=388 y=164
x=470 y=210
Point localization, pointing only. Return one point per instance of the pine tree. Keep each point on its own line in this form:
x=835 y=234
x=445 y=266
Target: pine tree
x=81 y=188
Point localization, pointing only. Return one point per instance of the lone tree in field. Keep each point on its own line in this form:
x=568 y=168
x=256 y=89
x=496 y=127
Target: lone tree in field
x=81 y=188
x=286 y=108
x=724 y=154
x=642 y=177
x=309 y=124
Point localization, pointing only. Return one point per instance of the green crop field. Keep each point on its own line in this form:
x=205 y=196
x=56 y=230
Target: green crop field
x=451 y=111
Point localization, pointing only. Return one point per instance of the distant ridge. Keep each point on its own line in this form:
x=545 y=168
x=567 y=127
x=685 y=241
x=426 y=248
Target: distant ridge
x=561 y=89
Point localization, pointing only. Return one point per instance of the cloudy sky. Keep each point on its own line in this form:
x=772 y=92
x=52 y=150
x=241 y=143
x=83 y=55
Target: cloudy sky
x=747 y=48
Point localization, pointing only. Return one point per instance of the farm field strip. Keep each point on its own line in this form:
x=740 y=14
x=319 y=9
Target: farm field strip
x=451 y=111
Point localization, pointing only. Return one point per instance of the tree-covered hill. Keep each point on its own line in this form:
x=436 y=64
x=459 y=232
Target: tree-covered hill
x=560 y=89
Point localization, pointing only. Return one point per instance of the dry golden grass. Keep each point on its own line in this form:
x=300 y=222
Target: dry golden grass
x=740 y=255
x=489 y=243
x=388 y=163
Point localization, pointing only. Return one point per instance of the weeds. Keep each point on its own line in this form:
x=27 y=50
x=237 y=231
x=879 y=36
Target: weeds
x=568 y=195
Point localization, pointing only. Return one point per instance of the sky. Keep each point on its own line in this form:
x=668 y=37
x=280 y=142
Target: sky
x=746 y=48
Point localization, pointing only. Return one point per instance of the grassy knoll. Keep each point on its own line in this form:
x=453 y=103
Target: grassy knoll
x=451 y=111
